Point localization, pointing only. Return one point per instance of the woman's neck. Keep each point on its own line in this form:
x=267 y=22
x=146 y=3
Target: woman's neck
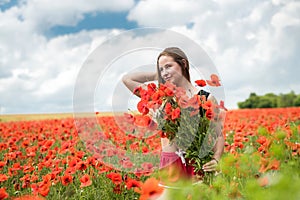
x=189 y=88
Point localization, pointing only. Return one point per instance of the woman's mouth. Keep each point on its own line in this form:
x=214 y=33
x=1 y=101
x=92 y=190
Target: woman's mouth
x=167 y=78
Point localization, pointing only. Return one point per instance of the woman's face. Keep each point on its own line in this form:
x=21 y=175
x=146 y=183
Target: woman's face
x=169 y=69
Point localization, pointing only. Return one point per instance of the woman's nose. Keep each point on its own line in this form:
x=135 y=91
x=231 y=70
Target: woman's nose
x=164 y=73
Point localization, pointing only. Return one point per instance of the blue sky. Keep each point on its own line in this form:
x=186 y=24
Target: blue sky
x=94 y=21
x=45 y=43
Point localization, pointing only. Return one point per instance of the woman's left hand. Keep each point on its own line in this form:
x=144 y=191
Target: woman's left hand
x=210 y=166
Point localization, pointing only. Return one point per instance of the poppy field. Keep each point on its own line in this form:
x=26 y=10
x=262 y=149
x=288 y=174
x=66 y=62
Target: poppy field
x=59 y=159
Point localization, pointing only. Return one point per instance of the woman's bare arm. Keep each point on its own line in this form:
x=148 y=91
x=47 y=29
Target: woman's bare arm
x=219 y=146
x=136 y=79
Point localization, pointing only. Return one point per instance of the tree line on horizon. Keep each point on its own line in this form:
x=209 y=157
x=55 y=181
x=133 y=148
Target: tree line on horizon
x=271 y=100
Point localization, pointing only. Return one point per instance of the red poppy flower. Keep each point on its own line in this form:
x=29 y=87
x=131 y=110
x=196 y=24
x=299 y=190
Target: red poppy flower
x=66 y=179
x=3 y=193
x=44 y=190
x=81 y=165
x=215 y=81
x=85 y=181
x=222 y=105
x=29 y=197
x=151 y=88
x=137 y=91
x=175 y=113
x=2 y=164
x=147 y=166
x=142 y=107
x=200 y=83
x=3 y=178
x=116 y=178
x=132 y=183
x=209 y=114
x=168 y=108
x=149 y=189
x=127 y=164
x=169 y=92
x=183 y=101
x=142 y=120
x=129 y=117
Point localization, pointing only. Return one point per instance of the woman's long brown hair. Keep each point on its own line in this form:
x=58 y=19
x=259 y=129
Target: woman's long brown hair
x=179 y=56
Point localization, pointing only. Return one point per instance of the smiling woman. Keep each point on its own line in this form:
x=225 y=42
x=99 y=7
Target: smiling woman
x=173 y=70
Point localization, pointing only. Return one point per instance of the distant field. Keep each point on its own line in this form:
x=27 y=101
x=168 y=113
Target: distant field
x=28 y=117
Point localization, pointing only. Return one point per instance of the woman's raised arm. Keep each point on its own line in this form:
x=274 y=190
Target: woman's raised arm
x=136 y=79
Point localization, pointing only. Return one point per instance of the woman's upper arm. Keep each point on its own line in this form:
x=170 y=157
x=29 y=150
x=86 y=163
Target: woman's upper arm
x=134 y=80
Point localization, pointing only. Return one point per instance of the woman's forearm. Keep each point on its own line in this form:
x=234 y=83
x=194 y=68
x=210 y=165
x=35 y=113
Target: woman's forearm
x=134 y=80
x=219 y=148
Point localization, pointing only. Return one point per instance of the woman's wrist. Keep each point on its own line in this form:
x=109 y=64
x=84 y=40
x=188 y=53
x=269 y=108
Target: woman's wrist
x=215 y=159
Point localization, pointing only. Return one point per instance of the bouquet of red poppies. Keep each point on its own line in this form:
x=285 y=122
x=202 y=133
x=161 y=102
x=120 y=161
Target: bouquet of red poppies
x=188 y=121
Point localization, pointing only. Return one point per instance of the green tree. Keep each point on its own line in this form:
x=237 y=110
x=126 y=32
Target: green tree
x=270 y=100
x=251 y=102
x=297 y=101
x=273 y=98
x=265 y=102
x=286 y=100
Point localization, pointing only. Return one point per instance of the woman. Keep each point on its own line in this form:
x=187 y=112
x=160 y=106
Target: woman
x=173 y=66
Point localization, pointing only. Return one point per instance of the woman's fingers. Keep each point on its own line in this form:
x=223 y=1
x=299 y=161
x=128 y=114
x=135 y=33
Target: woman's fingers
x=210 y=166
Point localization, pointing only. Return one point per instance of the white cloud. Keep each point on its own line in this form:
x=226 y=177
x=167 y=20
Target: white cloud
x=43 y=14
x=166 y=13
x=288 y=15
x=48 y=74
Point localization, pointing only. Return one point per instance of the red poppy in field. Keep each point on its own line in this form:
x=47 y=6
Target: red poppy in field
x=44 y=189
x=3 y=177
x=148 y=167
x=214 y=80
x=26 y=143
x=149 y=189
x=116 y=178
x=129 y=117
x=132 y=183
x=201 y=83
x=3 y=193
x=81 y=165
x=66 y=179
x=28 y=168
x=126 y=163
x=26 y=181
x=2 y=164
x=73 y=162
x=48 y=143
x=29 y=197
x=85 y=181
